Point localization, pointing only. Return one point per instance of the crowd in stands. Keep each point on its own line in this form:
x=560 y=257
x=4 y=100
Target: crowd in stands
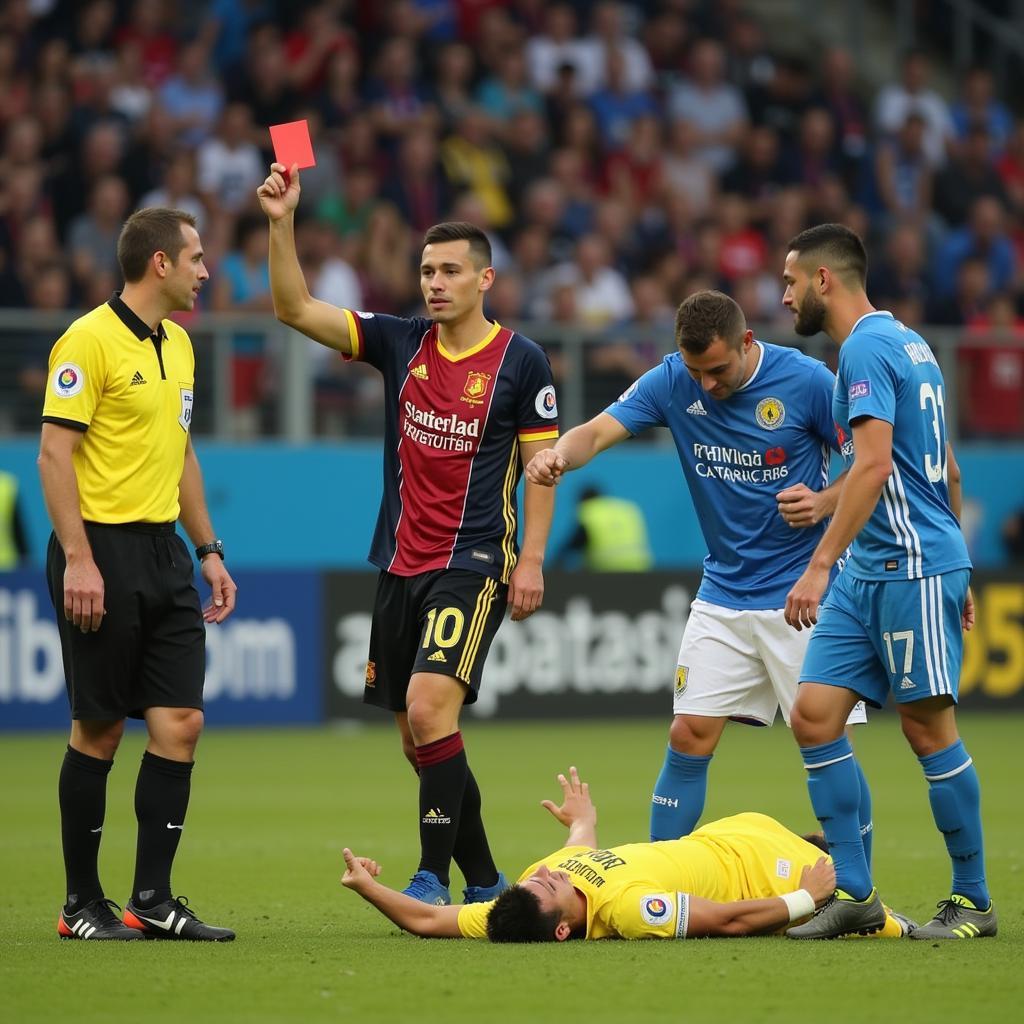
x=620 y=155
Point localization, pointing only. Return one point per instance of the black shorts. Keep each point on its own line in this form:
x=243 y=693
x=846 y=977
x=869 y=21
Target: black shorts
x=150 y=650
x=441 y=621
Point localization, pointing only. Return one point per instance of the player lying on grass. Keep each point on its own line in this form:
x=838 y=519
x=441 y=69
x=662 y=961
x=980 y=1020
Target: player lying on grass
x=744 y=875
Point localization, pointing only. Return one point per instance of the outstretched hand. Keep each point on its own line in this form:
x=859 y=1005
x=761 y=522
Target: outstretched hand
x=576 y=804
x=279 y=193
x=359 y=871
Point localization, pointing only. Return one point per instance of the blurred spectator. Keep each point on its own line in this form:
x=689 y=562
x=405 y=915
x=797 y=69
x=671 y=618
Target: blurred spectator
x=665 y=34
x=743 y=249
x=1010 y=167
x=782 y=104
x=713 y=106
x=991 y=374
x=225 y=26
x=15 y=87
x=531 y=265
x=610 y=38
x=130 y=96
x=92 y=236
x=968 y=297
x=759 y=175
x=504 y=95
x=913 y=95
x=230 y=166
x=617 y=106
x=179 y=190
x=558 y=47
x=453 y=81
x=683 y=174
x=978 y=107
x=527 y=151
x=387 y=261
x=49 y=291
x=968 y=175
x=310 y=47
x=101 y=154
x=473 y=161
x=601 y=292
x=900 y=272
x=348 y=212
x=340 y=99
x=750 y=63
x=263 y=81
x=984 y=237
x=418 y=188
x=814 y=157
x=839 y=95
x=904 y=174
x=397 y=97
x=505 y=303
x=192 y=96
x=635 y=174
x=242 y=285
x=37 y=247
x=147 y=27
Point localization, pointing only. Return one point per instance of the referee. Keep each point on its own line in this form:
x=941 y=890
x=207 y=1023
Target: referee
x=118 y=468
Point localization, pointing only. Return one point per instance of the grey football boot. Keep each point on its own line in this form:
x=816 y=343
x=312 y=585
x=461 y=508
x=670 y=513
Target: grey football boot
x=959 y=918
x=843 y=915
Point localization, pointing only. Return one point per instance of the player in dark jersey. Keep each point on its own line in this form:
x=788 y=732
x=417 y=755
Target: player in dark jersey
x=467 y=403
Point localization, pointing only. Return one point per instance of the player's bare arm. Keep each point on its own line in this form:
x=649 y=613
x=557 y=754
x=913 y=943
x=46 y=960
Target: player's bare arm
x=575 y=449
x=755 y=917
x=801 y=507
x=195 y=517
x=423 y=919
x=83 y=583
x=526 y=584
x=577 y=811
x=293 y=305
x=872 y=467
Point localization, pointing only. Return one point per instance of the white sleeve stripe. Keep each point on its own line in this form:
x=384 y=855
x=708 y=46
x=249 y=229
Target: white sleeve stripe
x=682 y=914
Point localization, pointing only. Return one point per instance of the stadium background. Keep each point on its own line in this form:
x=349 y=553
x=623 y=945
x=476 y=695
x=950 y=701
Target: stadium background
x=572 y=134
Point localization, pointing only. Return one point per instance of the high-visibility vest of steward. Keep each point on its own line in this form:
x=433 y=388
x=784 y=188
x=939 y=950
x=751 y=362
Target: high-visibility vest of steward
x=8 y=504
x=616 y=535
x=130 y=391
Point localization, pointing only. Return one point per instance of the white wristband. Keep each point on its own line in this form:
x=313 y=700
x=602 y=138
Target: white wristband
x=799 y=903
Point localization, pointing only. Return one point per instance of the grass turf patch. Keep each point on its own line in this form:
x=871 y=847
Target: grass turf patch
x=261 y=853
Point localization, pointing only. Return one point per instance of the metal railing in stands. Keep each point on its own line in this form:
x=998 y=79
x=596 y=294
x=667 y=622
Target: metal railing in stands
x=27 y=336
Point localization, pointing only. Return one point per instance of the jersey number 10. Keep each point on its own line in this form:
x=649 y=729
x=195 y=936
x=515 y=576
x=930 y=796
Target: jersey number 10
x=931 y=398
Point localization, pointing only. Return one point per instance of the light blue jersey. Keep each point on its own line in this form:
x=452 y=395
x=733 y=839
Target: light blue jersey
x=737 y=454
x=888 y=372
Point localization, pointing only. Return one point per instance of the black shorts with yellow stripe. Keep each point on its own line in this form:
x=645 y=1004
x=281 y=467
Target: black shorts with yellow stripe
x=442 y=621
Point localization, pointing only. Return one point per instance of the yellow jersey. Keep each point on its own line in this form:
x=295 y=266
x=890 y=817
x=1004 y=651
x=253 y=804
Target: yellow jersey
x=642 y=890
x=130 y=390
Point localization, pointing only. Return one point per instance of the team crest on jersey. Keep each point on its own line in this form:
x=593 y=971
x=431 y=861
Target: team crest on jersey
x=476 y=387
x=656 y=909
x=68 y=380
x=545 y=403
x=371 y=673
x=770 y=413
x=681 y=673
x=629 y=392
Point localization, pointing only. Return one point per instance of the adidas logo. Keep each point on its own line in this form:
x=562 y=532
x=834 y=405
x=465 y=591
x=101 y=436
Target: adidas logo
x=436 y=817
x=697 y=409
x=137 y=379
x=420 y=372
x=907 y=683
x=438 y=656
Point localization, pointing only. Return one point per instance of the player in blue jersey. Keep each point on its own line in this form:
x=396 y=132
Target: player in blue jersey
x=892 y=621
x=752 y=424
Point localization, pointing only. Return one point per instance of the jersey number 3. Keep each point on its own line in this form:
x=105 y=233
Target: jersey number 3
x=931 y=399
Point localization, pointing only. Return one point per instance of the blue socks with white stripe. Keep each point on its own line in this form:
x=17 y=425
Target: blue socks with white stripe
x=955 y=797
x=834 y=782
x=679 y=794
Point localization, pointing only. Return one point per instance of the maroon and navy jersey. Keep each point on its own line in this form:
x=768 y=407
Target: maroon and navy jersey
x=451 y=444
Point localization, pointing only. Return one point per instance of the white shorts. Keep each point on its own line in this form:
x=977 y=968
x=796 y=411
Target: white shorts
x=743 y=665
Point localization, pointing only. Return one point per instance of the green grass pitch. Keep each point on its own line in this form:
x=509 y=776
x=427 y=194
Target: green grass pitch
x=271 y=811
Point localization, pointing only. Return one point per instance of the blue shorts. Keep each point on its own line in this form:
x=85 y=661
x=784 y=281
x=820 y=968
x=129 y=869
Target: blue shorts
x=874 y=636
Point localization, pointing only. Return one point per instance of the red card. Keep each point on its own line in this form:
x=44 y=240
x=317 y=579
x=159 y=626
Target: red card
x=292 y=144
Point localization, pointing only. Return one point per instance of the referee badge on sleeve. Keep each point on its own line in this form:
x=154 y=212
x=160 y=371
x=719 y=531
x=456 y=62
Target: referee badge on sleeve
x=185 y=416
x=68 y=380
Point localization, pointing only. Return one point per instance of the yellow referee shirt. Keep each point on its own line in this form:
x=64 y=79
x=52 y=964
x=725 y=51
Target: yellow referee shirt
x=642 y=890
x=130 y=391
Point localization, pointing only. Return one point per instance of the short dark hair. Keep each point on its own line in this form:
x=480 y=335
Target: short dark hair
x=834 y=246
x=157 y=229
x=705 y=316
x=462 y=231
x=817 y=839
x=517 y=917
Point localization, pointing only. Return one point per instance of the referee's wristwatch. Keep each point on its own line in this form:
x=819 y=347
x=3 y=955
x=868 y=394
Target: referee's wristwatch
x=215 y=547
